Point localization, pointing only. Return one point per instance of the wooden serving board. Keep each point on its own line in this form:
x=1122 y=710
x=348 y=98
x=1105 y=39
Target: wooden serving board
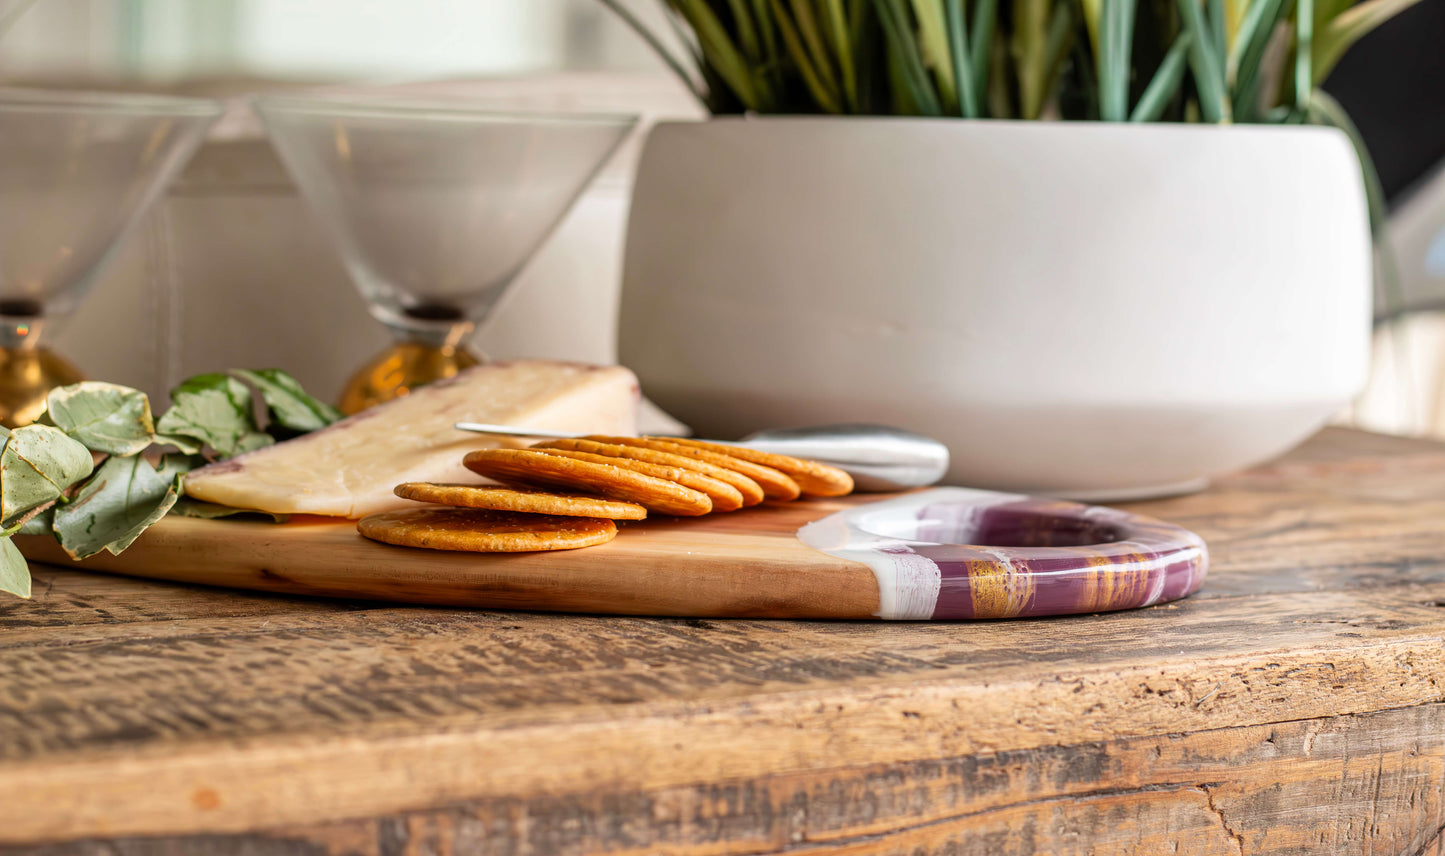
x=748 y=563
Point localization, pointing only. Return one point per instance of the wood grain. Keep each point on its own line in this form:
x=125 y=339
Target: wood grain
x=772 y=561
x=1295 y=705
x=747 y=563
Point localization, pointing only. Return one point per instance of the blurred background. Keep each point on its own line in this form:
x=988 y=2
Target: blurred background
x=231 y=270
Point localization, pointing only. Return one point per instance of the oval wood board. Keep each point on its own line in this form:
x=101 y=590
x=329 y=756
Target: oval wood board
x=749 y=563
x=744 y=564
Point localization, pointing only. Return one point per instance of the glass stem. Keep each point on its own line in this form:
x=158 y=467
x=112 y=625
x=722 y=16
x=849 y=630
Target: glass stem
x=447 y=337
x=20 y=332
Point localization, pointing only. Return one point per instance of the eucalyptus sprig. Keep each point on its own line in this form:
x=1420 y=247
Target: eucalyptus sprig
x=97 y=470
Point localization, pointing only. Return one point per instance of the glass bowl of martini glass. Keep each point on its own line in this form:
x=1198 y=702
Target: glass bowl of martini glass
x=434 y=208
x=77 y=171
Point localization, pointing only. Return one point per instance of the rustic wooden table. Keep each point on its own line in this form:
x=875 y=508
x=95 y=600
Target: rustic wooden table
x=1295 y=705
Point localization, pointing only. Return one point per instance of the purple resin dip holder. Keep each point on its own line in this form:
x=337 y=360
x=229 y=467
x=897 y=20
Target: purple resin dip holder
x=957 y=553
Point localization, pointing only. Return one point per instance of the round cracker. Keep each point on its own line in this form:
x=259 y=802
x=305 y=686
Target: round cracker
x=534 y=468
x=724 y=496
x=520 y=499
x=775 y=483
x=484 y=531
x=752 y=494
x=813 y=478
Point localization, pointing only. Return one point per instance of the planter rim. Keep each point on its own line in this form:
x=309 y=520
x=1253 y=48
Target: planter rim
x=1034 y=126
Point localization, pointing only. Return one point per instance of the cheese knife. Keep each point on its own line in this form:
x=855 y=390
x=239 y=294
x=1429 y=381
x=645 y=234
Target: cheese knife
x=880 y=458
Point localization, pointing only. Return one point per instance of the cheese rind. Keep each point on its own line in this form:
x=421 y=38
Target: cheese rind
x=349 y=469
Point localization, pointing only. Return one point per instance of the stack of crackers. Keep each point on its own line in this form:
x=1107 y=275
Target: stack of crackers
x=565 y=494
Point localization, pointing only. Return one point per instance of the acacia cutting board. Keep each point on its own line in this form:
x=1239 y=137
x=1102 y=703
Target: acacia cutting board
x=748 y=563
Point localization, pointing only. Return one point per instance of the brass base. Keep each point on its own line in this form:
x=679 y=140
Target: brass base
x=400 y=369
x=26 y=377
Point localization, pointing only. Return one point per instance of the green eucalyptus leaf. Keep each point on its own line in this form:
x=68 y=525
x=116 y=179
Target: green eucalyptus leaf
x=172 y=466
x=213 y=409
x=105 y=417
x=14 y=573
x=185 y=445
x=121 y=501
x=291 y=406
x=37 y=465
x=253 y=441
x=39 y=524
x=189 y=507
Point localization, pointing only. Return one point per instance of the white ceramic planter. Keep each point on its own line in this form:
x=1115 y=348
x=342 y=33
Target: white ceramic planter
x=1093 y=310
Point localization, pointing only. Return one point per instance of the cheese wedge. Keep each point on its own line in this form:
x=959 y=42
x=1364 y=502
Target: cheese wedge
x=350 y=468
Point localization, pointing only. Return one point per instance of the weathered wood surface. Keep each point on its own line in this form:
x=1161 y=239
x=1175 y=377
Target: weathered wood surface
x=1295 y=705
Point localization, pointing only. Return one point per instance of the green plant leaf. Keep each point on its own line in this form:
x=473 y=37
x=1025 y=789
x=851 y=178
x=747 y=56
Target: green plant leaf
x=1347 y=27
x=291 y=406
x=933 y=42
x=1243 y=64
x=185 y=445
x=106 y=417
x=253 y=441
x=1165 y=83
x=813 y=41
x=835 y=24
x=1030 y=47
x=37 y=465
x=1208 y=66
x=1218 y=26
x=1093 y=15
x=985 y=17
x=171 y=466
x=769 y=34
x=14 y=573
x=40 y=524
x=1057 y=44
x=825 y=99
x=1234 y=12
x=722 y=55
x=1304 y=81
x=747 y=33
x=188 y=507
x=212 y=409
x=124 y=498
x=968 y=91
x=903 y=48
x=1116 y=49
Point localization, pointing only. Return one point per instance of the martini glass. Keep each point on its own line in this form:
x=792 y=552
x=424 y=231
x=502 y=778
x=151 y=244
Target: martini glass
x=77 y=171
x=434 y=207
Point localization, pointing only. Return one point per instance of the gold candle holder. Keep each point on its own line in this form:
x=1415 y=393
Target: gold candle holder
x=26 y=377
x=401 y=368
